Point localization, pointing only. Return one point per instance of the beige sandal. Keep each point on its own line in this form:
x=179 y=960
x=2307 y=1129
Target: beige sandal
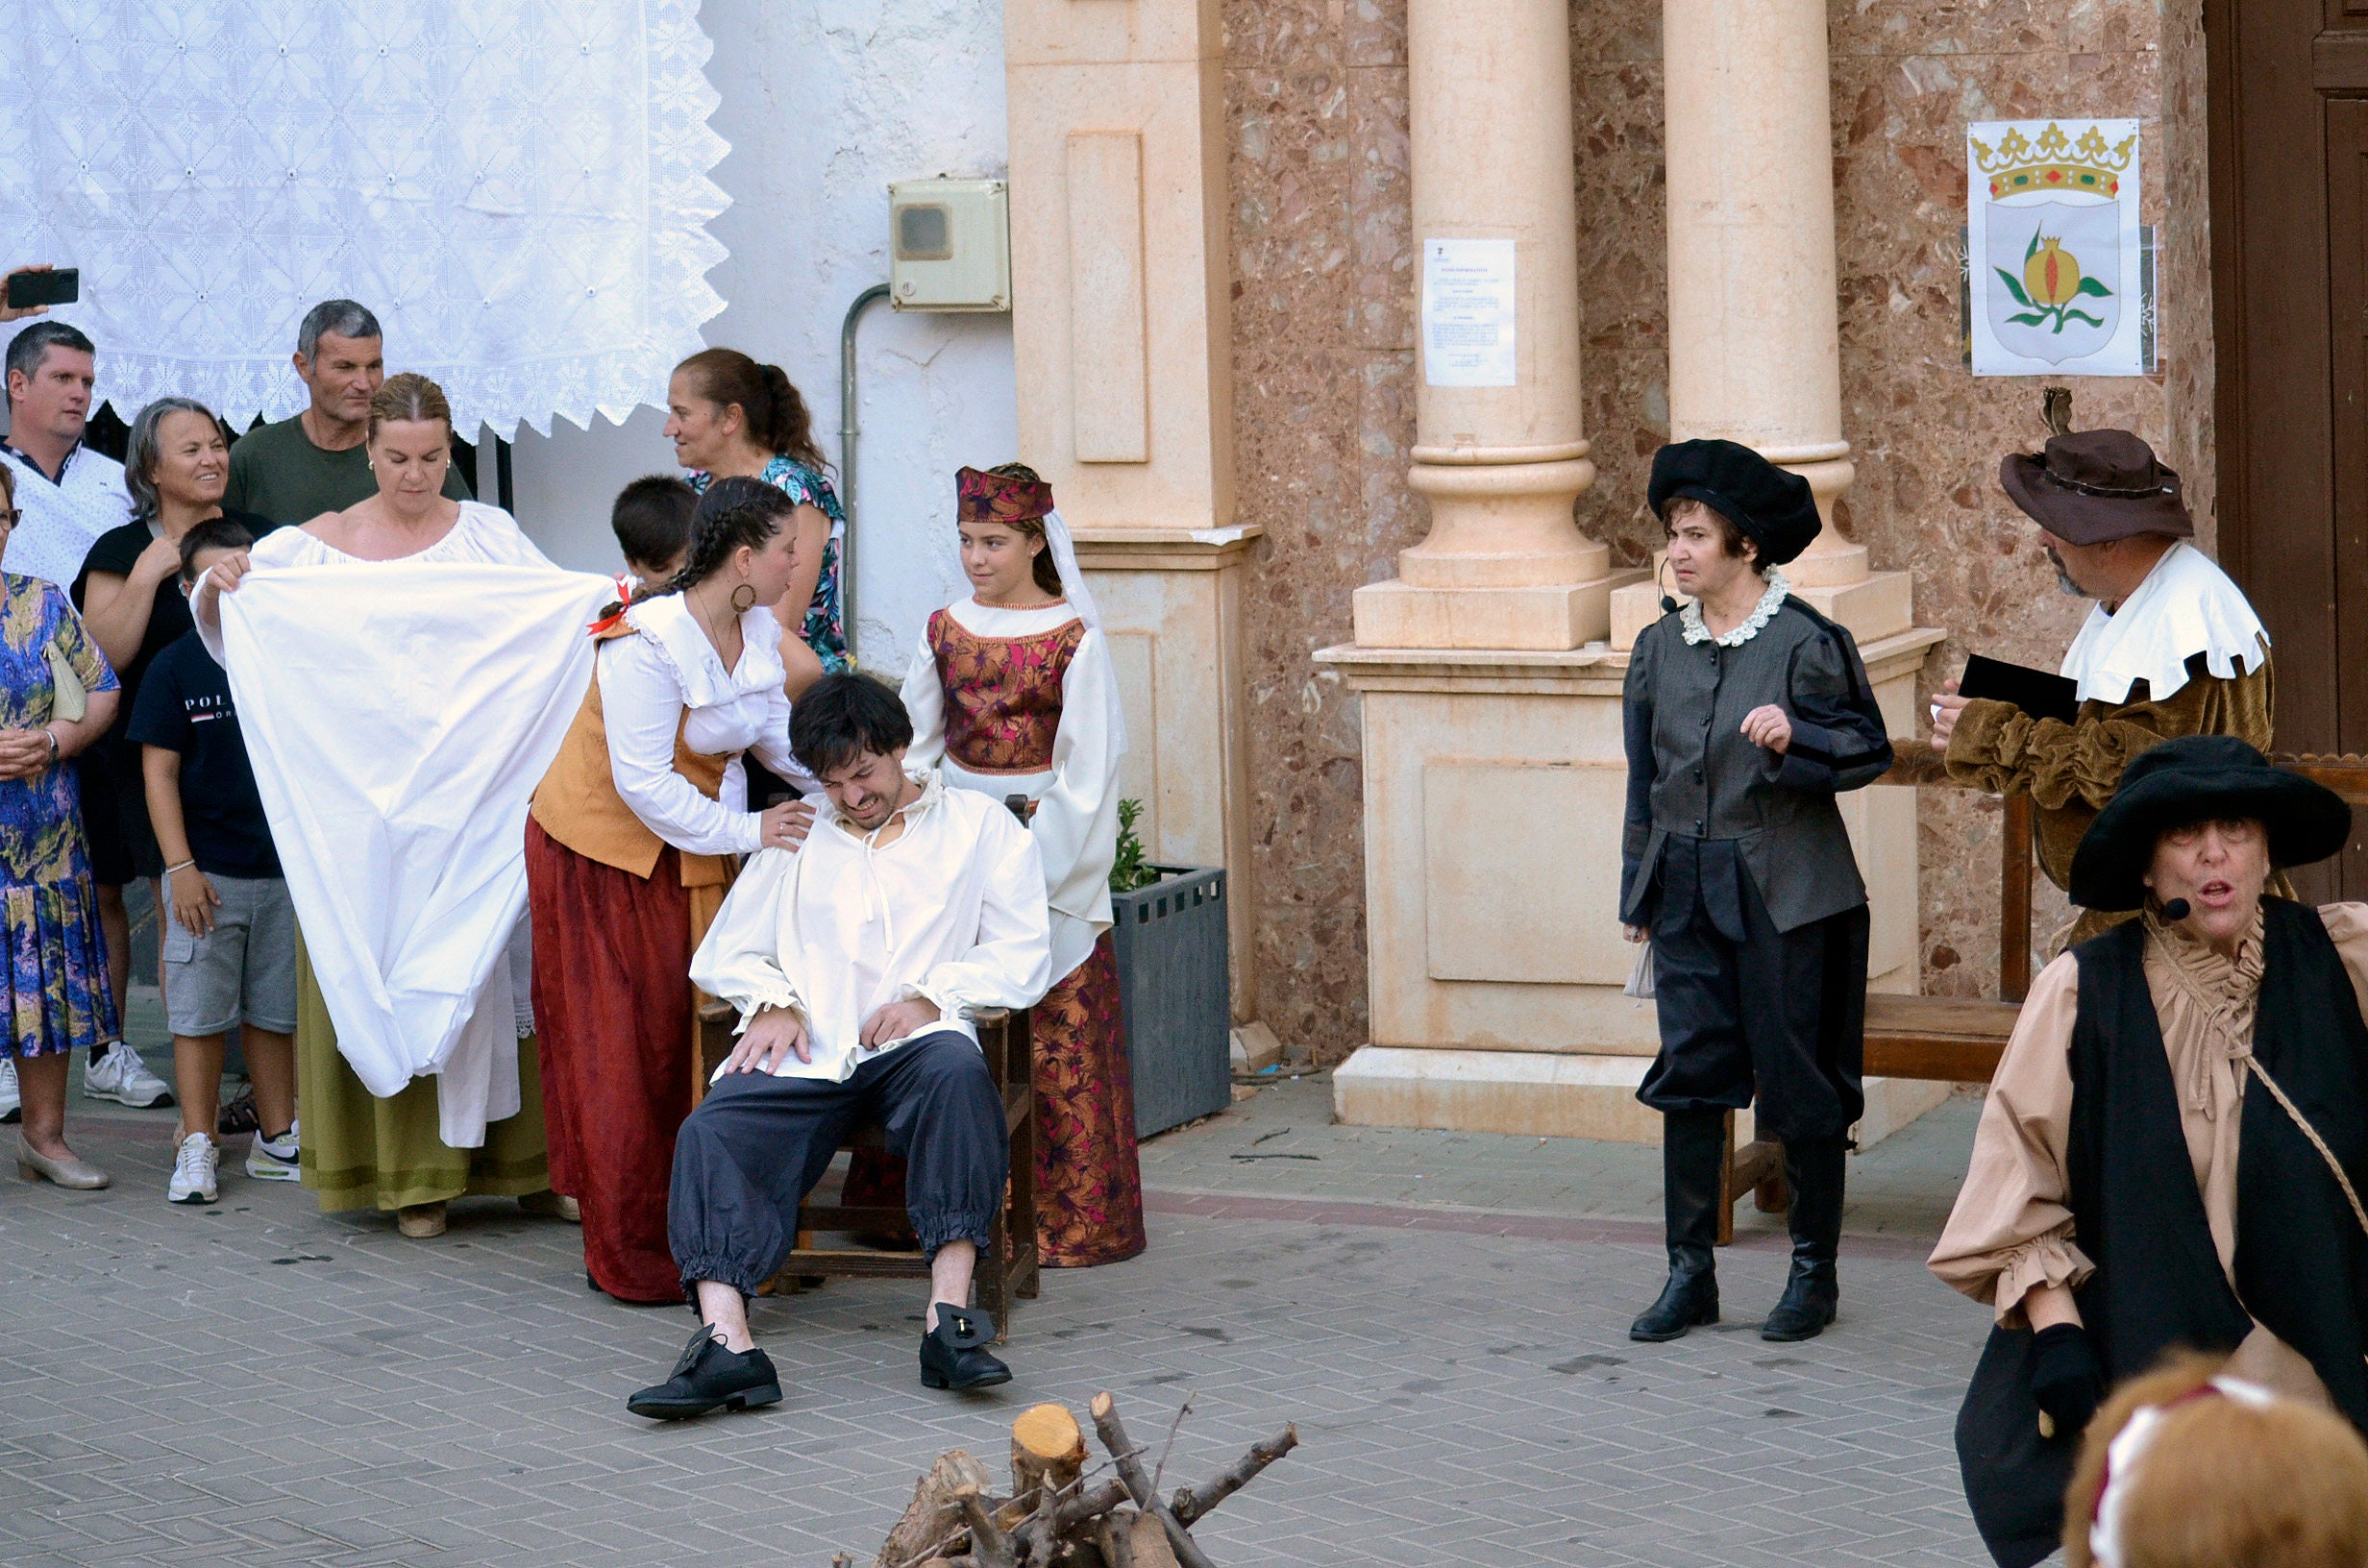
x=420 y=1220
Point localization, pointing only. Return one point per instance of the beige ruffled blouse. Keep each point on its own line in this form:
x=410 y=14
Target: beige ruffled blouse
x=2012 y=1229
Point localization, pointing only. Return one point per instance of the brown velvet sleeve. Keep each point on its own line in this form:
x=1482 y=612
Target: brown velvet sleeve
x=2002 y=750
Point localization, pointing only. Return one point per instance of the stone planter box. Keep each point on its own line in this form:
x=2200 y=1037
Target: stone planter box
x=1175 y=990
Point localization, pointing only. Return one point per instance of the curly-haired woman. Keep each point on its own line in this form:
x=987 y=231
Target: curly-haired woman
x=636 y=834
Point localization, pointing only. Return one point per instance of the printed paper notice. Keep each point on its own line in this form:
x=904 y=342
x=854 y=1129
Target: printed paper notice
x=1468 y=314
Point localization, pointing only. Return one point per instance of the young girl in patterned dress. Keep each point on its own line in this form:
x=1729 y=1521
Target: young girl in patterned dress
x=1012 y=693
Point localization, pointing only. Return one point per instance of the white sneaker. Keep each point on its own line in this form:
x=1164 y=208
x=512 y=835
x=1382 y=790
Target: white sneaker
x=275 y=1160
x=196 y=1169
x=121 y=1076
x=12 y=1106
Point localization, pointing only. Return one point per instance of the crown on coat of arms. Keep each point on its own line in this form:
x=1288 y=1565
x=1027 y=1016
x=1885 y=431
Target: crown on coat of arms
x=2018 y=165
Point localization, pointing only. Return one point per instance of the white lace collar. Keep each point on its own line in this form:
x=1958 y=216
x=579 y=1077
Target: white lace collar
x=668 y=622
x=1773 y=599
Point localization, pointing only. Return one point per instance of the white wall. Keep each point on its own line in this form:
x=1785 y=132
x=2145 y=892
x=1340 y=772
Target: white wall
x=825 y=101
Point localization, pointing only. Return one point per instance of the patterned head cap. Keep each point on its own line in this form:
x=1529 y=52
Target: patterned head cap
x=1000 y=498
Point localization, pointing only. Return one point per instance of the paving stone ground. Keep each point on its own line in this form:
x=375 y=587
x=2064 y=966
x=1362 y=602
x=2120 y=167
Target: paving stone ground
x=1442 y=1315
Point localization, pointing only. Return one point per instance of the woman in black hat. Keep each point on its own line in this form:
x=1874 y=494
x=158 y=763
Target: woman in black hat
x=1746 y=712
x=2171 y=1151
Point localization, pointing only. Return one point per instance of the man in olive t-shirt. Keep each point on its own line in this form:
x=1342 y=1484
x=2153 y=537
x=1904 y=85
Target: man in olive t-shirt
x=316 y=462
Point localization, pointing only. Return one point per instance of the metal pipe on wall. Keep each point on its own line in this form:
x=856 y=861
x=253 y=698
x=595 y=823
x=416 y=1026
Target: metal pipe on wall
x=849 y=429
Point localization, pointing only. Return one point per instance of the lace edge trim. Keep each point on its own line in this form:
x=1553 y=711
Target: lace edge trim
x=1689 y=618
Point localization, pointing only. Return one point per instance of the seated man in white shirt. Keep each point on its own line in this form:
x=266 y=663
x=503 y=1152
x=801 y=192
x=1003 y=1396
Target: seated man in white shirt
x=856 y=964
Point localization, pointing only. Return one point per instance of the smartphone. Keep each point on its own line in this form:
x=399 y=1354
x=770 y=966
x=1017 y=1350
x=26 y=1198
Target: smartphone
x=60 y=285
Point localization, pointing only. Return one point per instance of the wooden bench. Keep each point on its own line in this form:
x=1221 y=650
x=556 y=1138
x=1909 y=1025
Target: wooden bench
x=1960 y=1039
x=1007 y=1269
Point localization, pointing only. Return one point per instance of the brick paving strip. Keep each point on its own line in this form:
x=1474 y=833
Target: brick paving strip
x=257 y=1383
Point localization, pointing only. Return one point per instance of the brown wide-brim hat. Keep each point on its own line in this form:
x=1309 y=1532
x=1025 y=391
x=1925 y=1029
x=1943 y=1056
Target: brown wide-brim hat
x=2095 y=485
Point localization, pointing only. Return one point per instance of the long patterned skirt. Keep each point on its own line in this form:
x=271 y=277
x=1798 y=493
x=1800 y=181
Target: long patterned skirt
x=616 y=1009
x=55 y=988
x=359 y=1150
x=1089 y=1188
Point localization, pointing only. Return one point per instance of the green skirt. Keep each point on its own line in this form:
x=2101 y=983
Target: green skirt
x=359 y=1150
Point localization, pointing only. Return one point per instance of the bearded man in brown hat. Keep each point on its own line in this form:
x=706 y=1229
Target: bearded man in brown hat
x=2172 y=647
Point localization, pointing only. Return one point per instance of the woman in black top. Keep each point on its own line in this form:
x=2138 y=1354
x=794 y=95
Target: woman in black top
x=176 y=465
x=1746 y=712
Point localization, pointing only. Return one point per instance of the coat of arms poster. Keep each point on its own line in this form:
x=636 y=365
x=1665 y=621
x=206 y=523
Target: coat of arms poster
x=2053 y=247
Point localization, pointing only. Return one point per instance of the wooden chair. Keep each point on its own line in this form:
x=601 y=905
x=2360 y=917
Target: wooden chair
x=1960 y=1039
x=1008 y=1269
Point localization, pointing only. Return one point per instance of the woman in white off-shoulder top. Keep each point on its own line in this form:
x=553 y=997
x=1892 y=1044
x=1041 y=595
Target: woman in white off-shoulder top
x=637 y=833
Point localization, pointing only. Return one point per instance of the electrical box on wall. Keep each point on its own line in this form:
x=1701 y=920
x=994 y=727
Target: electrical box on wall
x=949 y=245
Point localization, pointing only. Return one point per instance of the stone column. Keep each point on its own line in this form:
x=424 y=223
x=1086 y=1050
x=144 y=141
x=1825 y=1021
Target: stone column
x=1754 y=349
x=1497 y=963
x=1504 y=566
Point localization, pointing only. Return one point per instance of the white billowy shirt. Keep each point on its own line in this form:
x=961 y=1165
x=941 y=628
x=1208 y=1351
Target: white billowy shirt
x=952 y=910
x=669 y=677
x=1076 y=821
x=341 y=809
x=62 y=520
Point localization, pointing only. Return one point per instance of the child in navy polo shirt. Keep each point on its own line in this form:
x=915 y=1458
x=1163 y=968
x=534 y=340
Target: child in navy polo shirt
x=230 y=930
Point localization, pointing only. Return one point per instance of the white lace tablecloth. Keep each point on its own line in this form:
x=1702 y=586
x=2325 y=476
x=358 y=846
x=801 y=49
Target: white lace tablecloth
x=518 y=188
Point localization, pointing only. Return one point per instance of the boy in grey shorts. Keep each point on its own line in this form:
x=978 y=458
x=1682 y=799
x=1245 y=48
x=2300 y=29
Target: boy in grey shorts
x=230 y=931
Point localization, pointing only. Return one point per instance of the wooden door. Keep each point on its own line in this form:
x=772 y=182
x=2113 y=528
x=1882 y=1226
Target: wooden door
x=2289 y=225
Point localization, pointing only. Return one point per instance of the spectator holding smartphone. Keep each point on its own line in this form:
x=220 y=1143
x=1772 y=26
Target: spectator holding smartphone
x=230 y=933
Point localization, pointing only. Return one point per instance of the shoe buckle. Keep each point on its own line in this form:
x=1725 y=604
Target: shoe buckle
x=961 y=1328
x=701 y=1338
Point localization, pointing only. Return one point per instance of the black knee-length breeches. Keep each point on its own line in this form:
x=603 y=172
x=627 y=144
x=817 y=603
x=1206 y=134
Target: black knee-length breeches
x=1776 y=1015
x=756 y=1145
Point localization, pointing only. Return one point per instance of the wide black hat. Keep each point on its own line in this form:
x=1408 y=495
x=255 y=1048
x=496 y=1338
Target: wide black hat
x=2091 y=486
x=2199 y=778
x=1773 y=506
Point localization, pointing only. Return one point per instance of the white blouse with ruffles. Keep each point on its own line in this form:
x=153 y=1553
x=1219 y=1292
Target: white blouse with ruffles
x=669 y=677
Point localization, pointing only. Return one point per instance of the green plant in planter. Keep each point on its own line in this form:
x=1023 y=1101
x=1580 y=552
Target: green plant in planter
x=1129 y=871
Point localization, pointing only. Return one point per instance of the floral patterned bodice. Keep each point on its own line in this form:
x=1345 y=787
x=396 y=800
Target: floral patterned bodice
x=1002 y=693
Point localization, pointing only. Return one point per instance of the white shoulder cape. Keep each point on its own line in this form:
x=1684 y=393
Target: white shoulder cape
x=2186 y=607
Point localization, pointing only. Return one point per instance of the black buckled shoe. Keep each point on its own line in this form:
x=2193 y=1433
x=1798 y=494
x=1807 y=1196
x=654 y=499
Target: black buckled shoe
x=953 y=1354
x=708 y=1377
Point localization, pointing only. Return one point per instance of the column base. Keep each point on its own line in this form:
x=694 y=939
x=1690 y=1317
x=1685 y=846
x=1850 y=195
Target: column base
x=1537 y=1095
x=1546 y=618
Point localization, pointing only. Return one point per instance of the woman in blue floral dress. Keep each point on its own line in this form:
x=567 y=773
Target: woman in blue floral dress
x=54 y=986
x=728 y=415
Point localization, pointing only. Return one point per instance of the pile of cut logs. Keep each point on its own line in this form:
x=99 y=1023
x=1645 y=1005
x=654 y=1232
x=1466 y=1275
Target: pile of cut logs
x=1056 y=1516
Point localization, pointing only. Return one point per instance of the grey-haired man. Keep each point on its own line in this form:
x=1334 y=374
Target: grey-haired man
x=299 y=468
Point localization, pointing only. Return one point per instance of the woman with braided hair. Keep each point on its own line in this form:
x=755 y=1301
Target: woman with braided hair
x=636 y=832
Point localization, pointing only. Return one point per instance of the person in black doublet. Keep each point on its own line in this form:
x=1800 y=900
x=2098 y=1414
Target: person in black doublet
x=1745 y=713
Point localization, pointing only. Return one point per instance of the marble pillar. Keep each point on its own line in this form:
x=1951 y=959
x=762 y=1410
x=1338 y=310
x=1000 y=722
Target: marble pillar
x=1494 y=770
x=1754 y=348
x=1504 y=565
x=1123 y=341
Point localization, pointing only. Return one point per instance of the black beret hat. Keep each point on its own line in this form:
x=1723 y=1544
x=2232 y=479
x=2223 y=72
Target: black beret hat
x=1773 y=506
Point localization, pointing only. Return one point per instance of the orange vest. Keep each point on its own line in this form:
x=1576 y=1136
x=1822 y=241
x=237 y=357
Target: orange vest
x=578 y=802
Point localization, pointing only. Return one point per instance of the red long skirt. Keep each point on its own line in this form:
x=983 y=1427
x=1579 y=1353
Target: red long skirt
x=614 y=1007
x=1089 y=1188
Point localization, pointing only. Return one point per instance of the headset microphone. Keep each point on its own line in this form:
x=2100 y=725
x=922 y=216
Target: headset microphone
x=2178 y=909
x=1669 y=604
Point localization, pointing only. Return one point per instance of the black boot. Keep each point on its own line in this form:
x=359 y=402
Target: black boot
x=953 y=1354
x=1693 y=1154
x=1812 y=1293
x=709 y=1376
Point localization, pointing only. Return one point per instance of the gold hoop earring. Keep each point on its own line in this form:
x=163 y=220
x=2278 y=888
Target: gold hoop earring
x=740 y=606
